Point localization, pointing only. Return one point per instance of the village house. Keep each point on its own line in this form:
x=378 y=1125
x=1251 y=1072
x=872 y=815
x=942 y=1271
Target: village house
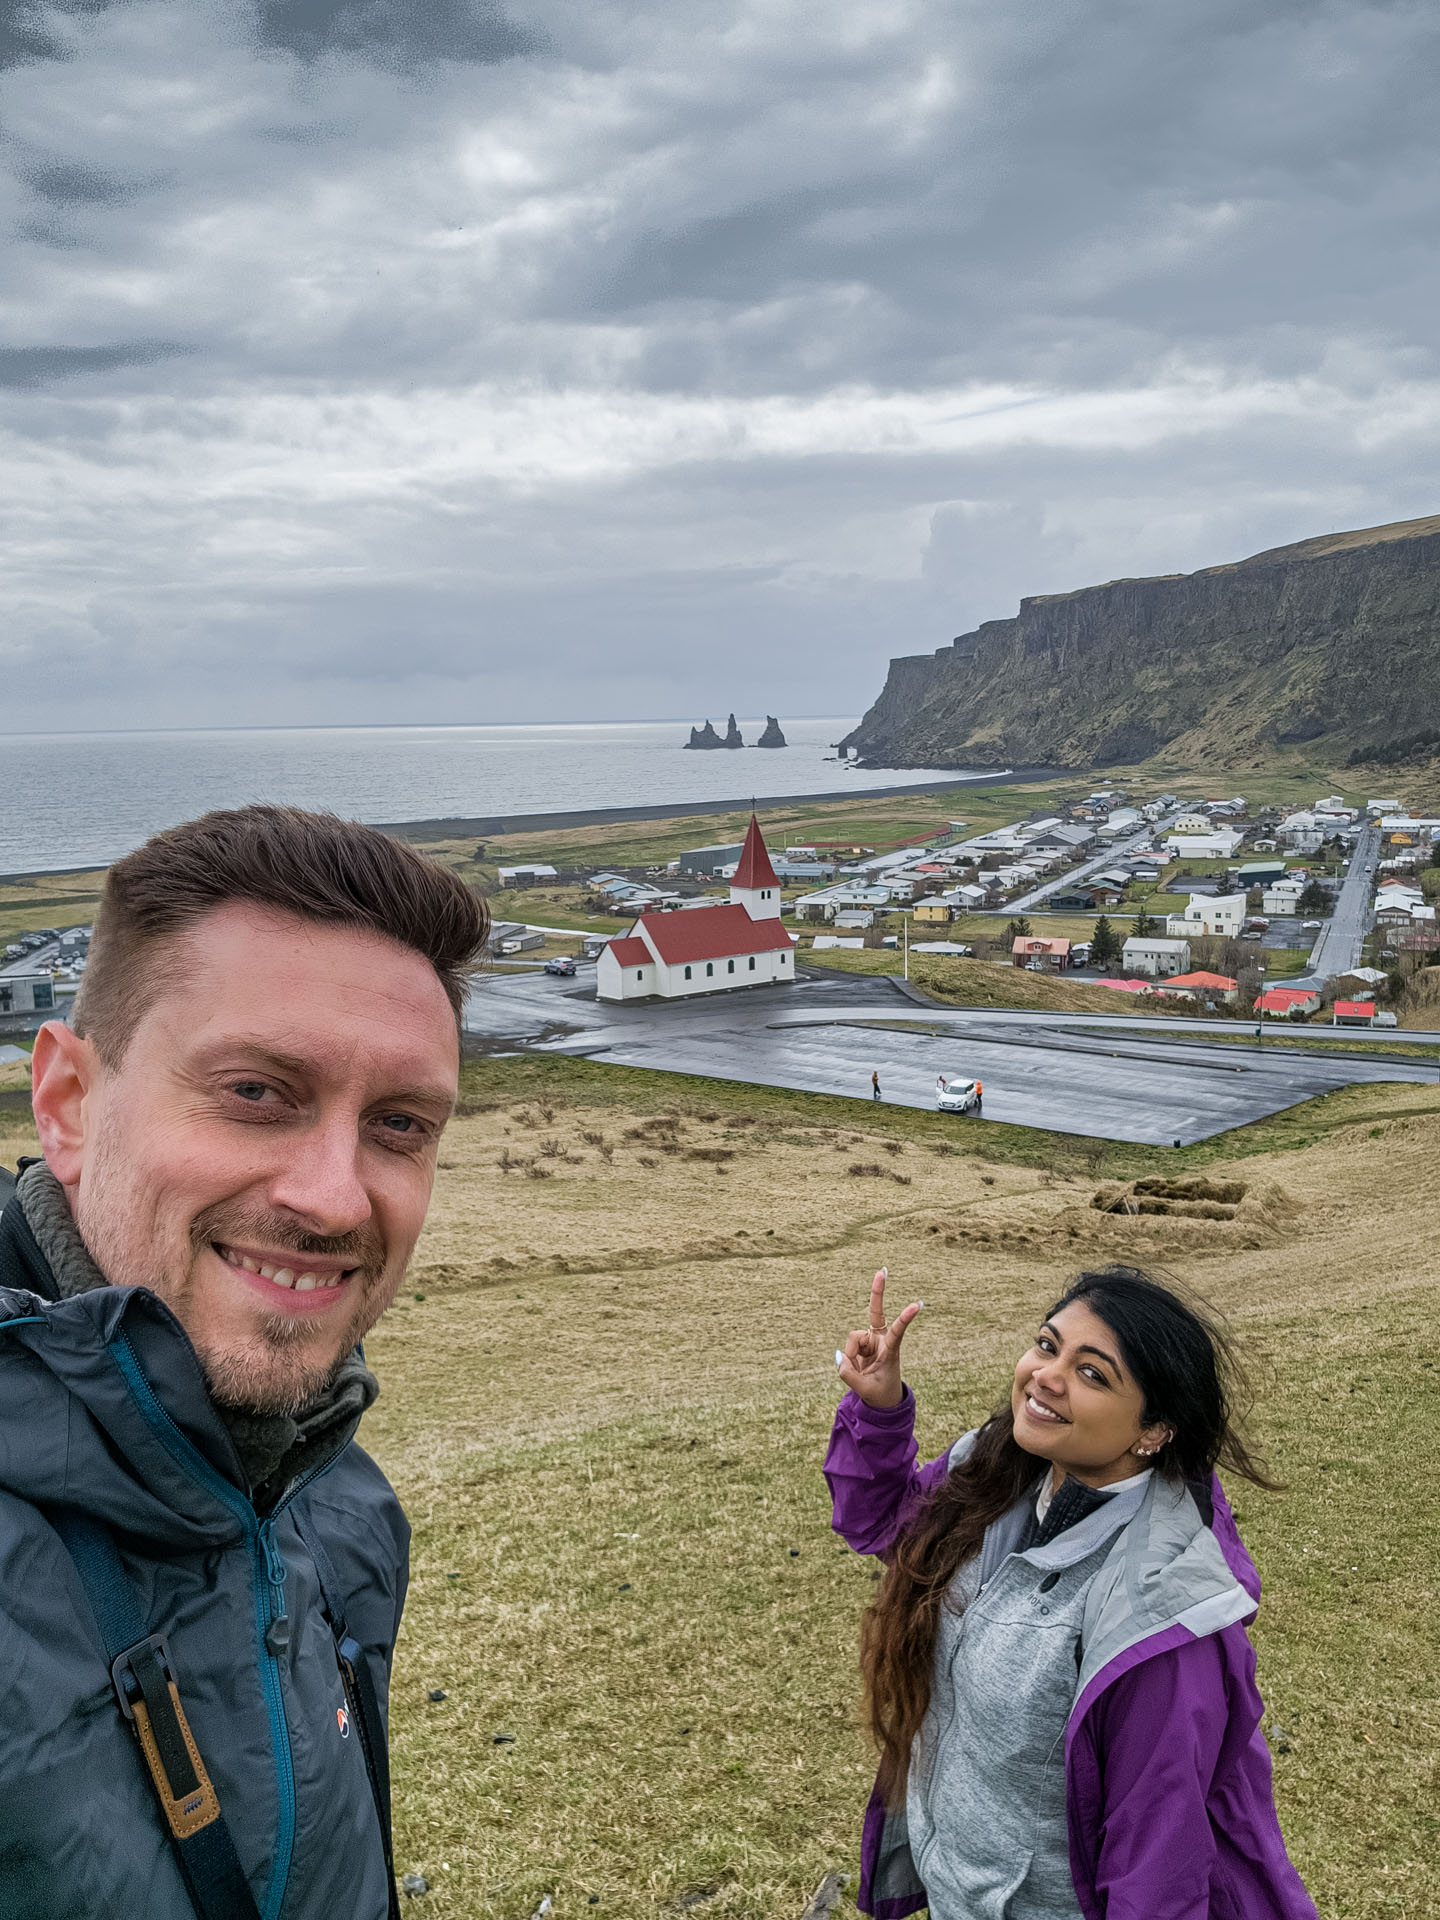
x=1283 y=898
x=1218 y=845
x=1222 y=914
x=1040 y=956
x=712 y=949
x=1209 y=987
x=1288 y=1003
x=1353 y=1013
x=1155 y=958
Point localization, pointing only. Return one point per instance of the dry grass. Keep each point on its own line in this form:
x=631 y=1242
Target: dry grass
x=607 y=1413
x=606 y=1396
x=986 y=983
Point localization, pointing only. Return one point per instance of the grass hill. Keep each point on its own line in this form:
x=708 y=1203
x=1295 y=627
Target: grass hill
x=1331 y=643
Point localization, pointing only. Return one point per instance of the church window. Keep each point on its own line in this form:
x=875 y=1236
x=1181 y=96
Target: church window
x=687 y=973
x=639 y=973
x=709 y=968
x=752 y=963
x=730 y=966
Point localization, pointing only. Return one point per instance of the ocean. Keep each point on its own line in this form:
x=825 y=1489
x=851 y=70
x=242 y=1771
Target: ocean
x=80 y=799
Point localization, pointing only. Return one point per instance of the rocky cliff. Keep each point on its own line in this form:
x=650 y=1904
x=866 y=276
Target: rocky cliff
x=1335 y=640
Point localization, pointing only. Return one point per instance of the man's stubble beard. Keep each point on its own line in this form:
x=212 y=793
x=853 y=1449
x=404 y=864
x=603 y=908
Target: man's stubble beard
x=267 y=1369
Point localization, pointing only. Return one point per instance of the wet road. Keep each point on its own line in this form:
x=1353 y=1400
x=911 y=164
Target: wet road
x=824 y=1036
x=1342 y=940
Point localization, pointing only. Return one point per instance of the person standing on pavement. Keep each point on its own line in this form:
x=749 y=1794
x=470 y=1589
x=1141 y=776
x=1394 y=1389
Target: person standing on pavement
x=204 y=1573
x=875 y=1084
x=1057 y=1668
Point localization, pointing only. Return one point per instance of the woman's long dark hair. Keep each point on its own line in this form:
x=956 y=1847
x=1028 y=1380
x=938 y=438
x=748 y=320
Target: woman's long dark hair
x=1186 y=1368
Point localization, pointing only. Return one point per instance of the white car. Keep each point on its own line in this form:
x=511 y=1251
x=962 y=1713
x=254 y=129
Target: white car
x=1311 y=926
x=958 y=1096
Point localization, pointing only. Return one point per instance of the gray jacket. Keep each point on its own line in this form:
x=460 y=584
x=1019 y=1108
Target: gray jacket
x=104 y=1410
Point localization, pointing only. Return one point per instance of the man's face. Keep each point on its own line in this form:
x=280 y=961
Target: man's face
x=263 y=1155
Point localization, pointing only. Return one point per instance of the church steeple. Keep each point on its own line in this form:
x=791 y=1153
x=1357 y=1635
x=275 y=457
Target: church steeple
x=756 y=886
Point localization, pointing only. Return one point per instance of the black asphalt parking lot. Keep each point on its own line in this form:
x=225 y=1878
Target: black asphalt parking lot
x=827 y=1036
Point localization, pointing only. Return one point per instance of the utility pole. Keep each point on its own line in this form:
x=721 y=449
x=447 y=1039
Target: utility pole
x=905 y=933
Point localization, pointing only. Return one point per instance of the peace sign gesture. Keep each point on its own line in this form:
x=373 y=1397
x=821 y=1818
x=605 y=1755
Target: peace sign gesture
x=870 y=1362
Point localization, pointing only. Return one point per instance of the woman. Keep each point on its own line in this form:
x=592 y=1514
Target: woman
x=1057 y=1668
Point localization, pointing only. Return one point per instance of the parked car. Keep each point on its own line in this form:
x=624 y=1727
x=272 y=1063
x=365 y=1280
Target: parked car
x=1311 y=926
x=958 y=1096
x=561 y=964
x=1384 y=1019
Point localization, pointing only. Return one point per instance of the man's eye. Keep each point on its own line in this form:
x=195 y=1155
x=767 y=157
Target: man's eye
x=250 y=1089
x=400 y=1123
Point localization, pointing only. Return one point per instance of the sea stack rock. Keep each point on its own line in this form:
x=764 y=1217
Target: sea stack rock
x=706 y=736
x=732 y=735
x=772 y=736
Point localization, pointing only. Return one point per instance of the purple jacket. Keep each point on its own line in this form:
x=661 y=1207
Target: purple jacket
x=1169 y=1802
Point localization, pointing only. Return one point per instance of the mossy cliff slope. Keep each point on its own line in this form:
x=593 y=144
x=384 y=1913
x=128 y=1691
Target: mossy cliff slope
x=1334 y=639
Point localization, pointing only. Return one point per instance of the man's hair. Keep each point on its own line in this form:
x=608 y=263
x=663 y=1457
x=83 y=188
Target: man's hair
x=313 y=865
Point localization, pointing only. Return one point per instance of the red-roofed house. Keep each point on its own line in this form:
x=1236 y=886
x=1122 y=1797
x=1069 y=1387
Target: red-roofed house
x=674 y=956
x=1353 y=1013
x=1049 y=956
x=1201 y=985
x=1285 y=1002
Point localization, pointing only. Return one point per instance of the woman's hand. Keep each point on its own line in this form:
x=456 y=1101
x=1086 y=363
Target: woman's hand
x=870 y=1362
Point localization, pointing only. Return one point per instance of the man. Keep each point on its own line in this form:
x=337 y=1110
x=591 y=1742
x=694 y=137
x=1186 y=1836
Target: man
x=202 y=1573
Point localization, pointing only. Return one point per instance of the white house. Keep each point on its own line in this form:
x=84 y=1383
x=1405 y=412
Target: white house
x=1156 y=959
x=675 y=956
x=1216 y=845
x=1193 y=823
x=1283 y=897
x=1221 y=913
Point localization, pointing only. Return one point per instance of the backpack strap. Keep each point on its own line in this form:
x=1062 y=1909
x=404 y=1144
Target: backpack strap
x=144 y=1678
x=360 y=1691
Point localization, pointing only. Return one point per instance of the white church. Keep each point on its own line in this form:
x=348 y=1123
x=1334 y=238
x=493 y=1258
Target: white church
x=673 y=956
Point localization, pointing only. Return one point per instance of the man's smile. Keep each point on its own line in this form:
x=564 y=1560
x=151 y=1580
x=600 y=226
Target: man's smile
x=289 y=1274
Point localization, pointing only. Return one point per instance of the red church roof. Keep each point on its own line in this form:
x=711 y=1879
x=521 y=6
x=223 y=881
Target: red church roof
x=754 y=869
x=710 y=933
x=631 y=951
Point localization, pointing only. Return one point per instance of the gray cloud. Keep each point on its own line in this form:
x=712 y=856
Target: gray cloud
x=72 y=184
x=41 y=367
x=440 y=359
x=394 y=31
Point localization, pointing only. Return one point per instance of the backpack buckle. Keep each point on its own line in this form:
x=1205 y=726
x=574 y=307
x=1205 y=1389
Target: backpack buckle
x=122 y=1674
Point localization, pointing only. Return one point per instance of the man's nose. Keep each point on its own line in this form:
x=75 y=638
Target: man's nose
x=320 y=1178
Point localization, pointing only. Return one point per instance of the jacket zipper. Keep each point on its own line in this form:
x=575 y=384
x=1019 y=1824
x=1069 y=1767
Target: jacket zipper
x=269 y=1588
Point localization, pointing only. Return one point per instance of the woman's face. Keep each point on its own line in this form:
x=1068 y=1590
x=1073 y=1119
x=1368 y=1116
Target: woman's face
x=1076 y=1404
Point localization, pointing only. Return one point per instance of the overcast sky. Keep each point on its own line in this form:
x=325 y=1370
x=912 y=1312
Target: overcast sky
x=368 y=360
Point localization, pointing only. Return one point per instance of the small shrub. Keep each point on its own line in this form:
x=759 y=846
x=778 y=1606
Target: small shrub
x=552 y=1148
x=507 y=1163
x=547 y=1113
x=607 y=1152
x=648 y=1160
x=592 y=1138
x=894 y=1146
x=862 y=1172
x=715 y=1155
x=534 y=1171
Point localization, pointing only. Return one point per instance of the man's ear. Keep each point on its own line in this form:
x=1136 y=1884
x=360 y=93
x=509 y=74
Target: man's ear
x=63 y=1069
